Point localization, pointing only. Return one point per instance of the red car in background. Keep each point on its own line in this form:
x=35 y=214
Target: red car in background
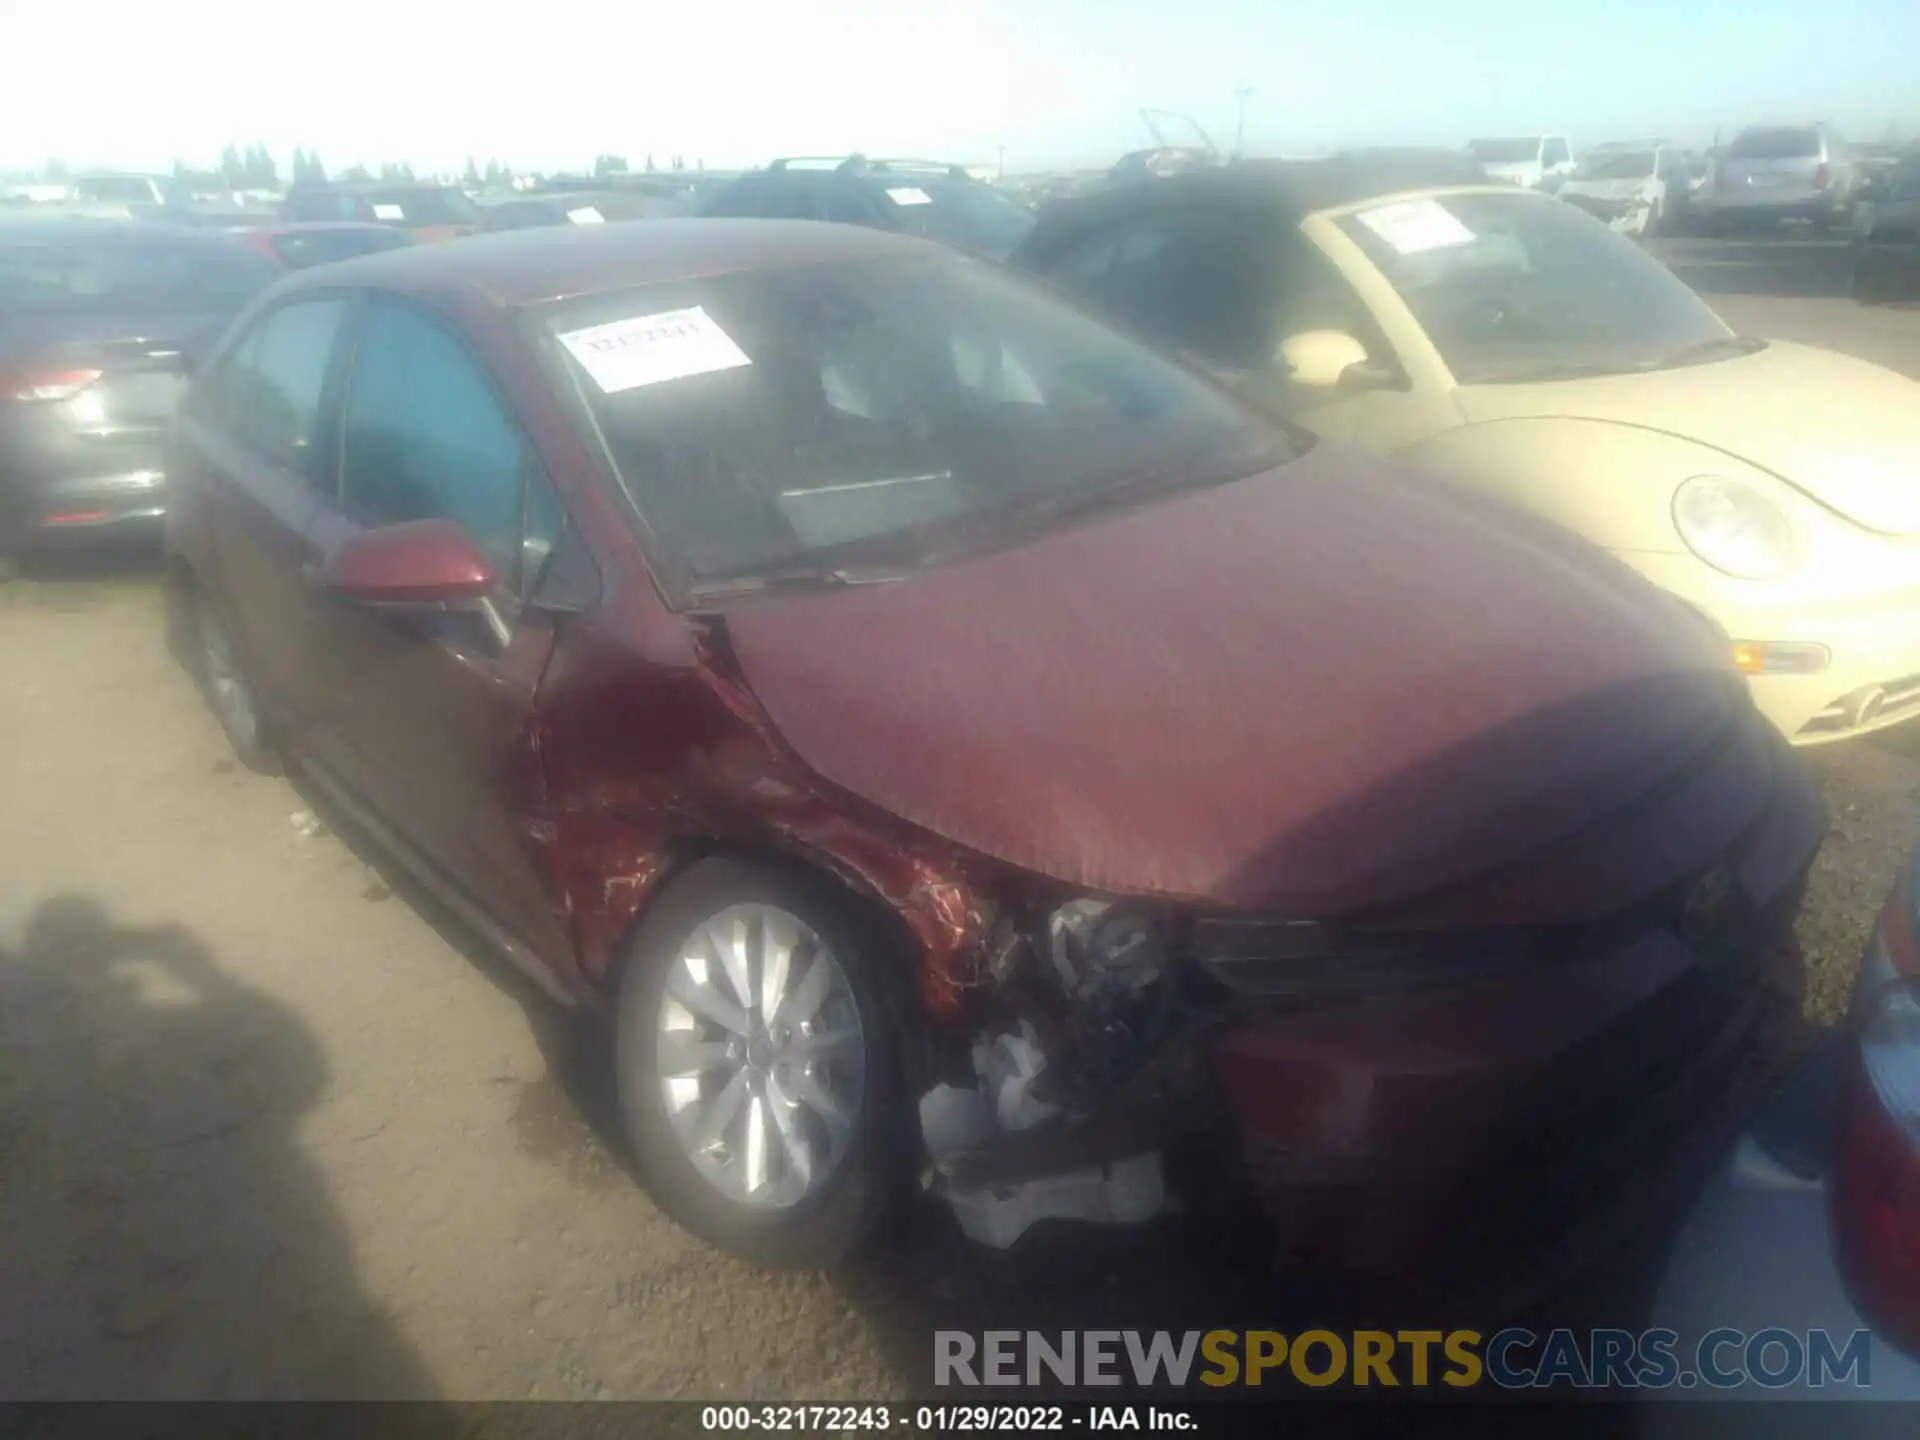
x=817 y=651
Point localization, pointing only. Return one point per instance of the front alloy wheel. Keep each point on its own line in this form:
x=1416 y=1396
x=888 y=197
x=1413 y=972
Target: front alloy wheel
x=756 y=1061
x=761 y=1066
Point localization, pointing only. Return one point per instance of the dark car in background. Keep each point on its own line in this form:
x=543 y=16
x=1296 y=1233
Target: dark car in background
x=295 y=246
x=1886 y=257
x=915 y=197
x=814 y=651
x=578 y=207
x=100 y=323
x=426 y=212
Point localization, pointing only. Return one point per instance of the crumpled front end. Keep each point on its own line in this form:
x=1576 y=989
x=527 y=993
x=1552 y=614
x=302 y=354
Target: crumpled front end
x=1445 y=1110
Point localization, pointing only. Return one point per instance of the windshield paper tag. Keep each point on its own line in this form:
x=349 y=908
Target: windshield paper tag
x=652 y=348
x=388 y=212
x=1411 y=226
x=586 y=215
x=909 y=195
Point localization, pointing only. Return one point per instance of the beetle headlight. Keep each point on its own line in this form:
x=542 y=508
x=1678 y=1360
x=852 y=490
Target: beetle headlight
x=1735 y=527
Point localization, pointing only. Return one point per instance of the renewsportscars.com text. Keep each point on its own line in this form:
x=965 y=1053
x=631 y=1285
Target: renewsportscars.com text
x=1460 y=1359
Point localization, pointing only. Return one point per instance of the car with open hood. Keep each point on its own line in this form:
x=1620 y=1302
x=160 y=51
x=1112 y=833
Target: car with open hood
x=1518 y=347
x=1637 y=187
x=832 y=659
x=1535 y=162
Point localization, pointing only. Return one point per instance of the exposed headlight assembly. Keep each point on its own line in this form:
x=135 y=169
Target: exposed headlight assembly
x=1735 y=527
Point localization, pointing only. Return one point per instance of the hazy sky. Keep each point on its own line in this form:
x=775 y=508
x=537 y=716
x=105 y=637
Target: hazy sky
x=136 y=83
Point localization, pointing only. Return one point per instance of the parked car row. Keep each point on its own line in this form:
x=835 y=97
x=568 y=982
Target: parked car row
x=1048 y=725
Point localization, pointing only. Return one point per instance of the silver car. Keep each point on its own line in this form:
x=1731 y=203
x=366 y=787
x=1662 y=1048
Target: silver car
x=1782 y=172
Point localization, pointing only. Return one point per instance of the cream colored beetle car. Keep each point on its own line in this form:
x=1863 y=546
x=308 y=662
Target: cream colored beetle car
x=1506 y=340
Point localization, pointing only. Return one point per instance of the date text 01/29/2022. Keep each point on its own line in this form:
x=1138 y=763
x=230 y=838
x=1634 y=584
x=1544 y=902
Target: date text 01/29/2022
x=941 y=1419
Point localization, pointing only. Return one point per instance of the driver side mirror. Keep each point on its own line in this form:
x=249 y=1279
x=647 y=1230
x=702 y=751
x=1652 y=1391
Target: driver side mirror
x=419 y=566
x=1331 y=360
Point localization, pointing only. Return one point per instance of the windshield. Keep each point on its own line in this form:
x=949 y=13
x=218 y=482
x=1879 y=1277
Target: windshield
x=301 y=248
x=879 y=412
x=423 y=207
x=960 y=212
x=1505 y=152
x=1774 y=145
x=1516 y=286
x=1626 y=165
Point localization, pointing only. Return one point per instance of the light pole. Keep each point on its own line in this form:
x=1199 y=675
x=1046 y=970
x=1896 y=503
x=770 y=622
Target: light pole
x=1240 y=122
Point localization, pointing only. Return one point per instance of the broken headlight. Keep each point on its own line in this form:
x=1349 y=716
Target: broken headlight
x=1112 y=967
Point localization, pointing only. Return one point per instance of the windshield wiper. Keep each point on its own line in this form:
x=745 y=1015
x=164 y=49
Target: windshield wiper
x=1720 y=345
x=794 y=577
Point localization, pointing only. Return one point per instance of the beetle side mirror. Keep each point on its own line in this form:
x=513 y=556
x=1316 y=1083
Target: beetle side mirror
x=1330 y=360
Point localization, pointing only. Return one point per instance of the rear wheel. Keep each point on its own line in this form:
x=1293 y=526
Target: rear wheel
x=757 y=1064
x=229 y=692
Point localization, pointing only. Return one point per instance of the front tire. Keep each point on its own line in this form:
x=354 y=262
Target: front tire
x=758 y=1064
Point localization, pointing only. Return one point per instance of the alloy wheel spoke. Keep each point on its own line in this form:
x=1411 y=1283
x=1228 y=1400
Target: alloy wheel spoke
x=808 y=1090
x=803 y=1002
x=824 y=1044
x=799 y=1152
x=706 y=1001
x=778 y=939
x=681 y=1054
x=755 y=1160
x=716 y=1114
x=734 y=942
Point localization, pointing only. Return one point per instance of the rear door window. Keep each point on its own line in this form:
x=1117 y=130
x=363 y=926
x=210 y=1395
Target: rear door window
x=268 y=393
x=1555 y=152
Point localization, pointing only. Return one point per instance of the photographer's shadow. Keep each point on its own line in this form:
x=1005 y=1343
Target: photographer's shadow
x=162 y=1236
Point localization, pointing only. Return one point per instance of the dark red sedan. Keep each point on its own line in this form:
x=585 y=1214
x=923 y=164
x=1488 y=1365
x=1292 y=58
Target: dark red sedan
x=821 y=651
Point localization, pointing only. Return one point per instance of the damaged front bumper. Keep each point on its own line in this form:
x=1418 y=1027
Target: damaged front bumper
x=1476 y=1140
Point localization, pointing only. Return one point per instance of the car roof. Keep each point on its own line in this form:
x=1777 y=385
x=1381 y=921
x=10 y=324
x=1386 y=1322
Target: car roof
x=526 y=267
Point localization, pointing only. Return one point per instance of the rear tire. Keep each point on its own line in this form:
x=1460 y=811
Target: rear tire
x=223 y=680
x=789 y=1213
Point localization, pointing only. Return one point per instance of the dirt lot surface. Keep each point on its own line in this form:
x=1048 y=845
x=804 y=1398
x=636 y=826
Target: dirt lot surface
x=268 y=1128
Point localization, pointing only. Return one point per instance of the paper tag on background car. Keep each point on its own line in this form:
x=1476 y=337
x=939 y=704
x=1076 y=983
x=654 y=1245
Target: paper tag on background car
x=1411 y=226
x=388 y=212
x=909 y=195
x=649 y=349
x=586 y=215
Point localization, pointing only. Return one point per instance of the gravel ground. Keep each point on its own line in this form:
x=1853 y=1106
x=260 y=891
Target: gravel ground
x=269 y=1129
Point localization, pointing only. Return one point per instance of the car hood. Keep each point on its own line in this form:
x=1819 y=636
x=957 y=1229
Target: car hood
x=1320 y=690
x=1844 y=431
